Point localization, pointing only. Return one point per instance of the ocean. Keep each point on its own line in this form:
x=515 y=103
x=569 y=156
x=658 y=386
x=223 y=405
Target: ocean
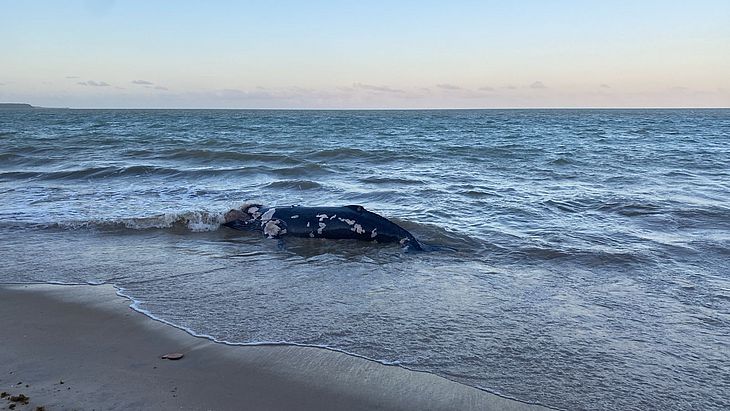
x=584 y=259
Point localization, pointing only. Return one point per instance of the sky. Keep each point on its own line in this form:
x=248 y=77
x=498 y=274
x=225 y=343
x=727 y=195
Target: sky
x=365 y=54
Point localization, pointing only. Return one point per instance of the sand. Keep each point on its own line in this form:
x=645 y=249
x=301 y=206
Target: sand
x=82 y=347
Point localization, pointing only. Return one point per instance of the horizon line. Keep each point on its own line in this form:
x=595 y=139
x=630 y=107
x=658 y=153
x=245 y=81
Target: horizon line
x=384 y=108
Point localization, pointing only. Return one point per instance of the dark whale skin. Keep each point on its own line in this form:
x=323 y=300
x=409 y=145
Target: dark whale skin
x=347 y=222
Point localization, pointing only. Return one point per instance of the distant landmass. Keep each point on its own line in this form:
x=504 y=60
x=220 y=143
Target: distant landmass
x=16 y=106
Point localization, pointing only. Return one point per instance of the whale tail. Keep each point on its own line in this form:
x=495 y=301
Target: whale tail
x=433 y=247
x=411 y=244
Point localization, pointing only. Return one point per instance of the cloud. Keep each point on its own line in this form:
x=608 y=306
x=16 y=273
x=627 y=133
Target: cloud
x=72 y=77
x=148 y=84
x=448 y=86
x=486 y=88
x=538 y=85
x=381 y=89
x=604 y=85
x=510 y=87
x=93 y=83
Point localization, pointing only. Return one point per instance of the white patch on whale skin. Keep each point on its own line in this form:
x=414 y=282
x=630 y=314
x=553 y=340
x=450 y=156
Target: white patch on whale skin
x=322 y=216
x=272 y=229
x=268 y=214
x=358 y=229
x=331 y=218
x=346 y=221
x=321 y=227
x=295 y=216
x=311 y=235
x=253 y=211
x=374 y=233
x=307 y=223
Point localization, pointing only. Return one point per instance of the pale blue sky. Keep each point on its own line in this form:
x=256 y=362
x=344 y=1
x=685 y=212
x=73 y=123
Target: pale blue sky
x=365 y=54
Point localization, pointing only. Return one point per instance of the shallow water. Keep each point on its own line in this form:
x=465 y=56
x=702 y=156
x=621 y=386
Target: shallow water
x=587 y=250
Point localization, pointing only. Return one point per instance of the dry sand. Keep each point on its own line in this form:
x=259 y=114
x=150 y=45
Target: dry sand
x=82 y=347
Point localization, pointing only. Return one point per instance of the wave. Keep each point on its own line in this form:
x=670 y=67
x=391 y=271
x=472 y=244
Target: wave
x=631 y=209
x=304 y=169
x=561 y=161
x=586 y=256
x=340 y=153
x=501 y=244
x=11 y=157
x=391 y=180
x=475 y=191
x=220 y=155
x=446 y=238
x=374 y=156
x=294 y=184
x=91 y=173
x=193 y=221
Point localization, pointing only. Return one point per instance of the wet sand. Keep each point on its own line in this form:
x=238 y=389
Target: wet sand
x=82 y=347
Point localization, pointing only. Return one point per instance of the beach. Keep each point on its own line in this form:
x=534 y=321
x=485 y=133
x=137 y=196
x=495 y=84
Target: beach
x=83 y=347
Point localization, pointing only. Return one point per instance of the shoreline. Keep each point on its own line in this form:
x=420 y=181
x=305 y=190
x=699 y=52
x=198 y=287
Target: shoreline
x=108 y=357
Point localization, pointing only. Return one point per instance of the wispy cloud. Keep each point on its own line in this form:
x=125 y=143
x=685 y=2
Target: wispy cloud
x=148 y=84
x=486 y=88
x=538 y=85
x=72 y=77
x=448 y=86
x=604 y=85
x=93 y=83
x=381 y=89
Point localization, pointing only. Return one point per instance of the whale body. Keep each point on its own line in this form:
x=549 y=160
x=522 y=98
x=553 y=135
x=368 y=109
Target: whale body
x=346 y=222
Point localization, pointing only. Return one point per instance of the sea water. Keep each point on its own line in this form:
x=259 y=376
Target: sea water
x=585 y=260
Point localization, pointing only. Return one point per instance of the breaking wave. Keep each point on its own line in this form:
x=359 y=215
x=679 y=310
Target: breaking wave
x=193 y=221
